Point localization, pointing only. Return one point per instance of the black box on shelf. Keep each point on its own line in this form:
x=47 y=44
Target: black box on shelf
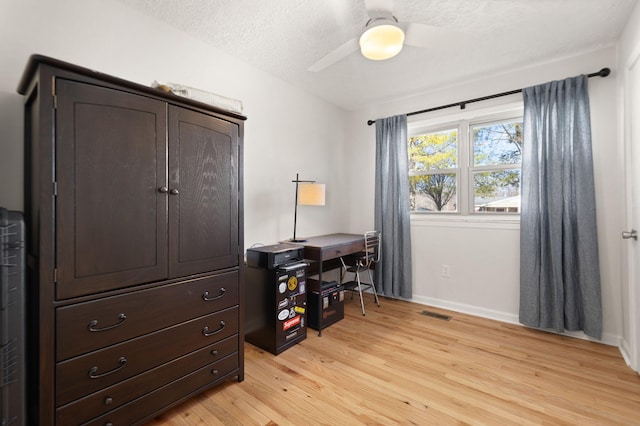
x=332 y=309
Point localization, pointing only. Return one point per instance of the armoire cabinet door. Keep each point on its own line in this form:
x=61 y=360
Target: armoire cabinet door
x=111 y=207
x=203 y=192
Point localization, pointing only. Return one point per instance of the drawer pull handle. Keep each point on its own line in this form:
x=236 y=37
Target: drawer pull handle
x=92 y=324
x=93 y=373
x=206 y=297
x=207 y=333
x=214 y=372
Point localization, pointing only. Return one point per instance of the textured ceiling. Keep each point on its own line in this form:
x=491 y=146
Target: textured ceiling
x=471 y=38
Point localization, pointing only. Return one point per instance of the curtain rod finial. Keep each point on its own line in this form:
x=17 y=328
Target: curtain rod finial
x=604 y=72
x=370 y=122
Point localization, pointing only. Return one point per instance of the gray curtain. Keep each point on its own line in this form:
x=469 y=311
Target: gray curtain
x=559 y=269
x=393 y=273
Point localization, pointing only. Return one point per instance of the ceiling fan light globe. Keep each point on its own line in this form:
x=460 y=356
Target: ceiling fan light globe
x=381 y=42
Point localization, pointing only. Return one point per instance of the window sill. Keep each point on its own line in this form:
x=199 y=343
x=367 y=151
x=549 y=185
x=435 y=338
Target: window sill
x=453 y=220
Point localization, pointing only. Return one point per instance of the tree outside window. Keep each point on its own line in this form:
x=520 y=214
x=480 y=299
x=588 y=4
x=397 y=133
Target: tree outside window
x=497 y=155
x=433 y=176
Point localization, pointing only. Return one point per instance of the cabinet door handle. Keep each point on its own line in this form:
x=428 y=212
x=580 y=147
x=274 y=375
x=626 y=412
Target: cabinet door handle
x=173 y=191
x=206 y=298
x=93 y=323
x=163 y=190
x=207 y=333
x=93 y=373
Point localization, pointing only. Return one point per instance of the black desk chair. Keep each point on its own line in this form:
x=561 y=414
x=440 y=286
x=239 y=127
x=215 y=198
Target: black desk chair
x=361 y=262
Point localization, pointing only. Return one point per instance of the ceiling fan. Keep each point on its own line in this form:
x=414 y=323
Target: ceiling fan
x=383 y=25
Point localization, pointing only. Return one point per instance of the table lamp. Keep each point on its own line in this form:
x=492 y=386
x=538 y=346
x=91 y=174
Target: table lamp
x=308 y=193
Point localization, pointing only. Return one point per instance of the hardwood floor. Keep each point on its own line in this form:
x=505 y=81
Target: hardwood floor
x=398 y=366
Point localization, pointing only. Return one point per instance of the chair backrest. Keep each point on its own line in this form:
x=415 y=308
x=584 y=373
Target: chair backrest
x=372 y=246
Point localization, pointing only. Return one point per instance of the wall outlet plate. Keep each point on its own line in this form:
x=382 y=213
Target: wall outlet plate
x=446 y=271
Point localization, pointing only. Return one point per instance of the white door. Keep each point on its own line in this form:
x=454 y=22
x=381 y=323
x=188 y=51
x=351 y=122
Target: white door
x=630 y=244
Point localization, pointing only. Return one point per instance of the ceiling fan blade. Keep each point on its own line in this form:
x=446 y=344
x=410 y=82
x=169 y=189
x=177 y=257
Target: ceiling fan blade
x=345 y=50
x=431 y=37
x=373 y=6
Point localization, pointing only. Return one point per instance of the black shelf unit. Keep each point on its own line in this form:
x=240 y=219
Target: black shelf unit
x=12 y=314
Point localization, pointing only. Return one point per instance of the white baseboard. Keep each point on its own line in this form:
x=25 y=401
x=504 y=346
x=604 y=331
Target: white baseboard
x=625 y=351
x=607 y=339
x=467 y=309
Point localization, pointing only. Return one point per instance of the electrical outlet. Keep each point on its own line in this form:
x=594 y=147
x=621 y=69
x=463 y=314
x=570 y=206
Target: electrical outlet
x=446 y=271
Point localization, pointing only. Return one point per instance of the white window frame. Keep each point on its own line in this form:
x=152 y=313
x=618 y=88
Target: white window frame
x=463 y=120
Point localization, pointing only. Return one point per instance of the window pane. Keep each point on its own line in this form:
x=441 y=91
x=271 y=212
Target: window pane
x=497 y=191
x=498 y=143
x=434 y=151
x=435 y=192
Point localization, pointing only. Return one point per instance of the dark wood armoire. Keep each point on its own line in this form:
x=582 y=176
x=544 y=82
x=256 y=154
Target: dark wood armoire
x=133 y=206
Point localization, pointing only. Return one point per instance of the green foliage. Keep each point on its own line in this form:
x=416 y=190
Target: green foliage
x=486 y=184
x=433 y=151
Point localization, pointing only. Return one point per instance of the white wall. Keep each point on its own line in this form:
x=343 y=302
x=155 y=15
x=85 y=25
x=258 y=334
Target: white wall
x=483 y=256
x=286 y=131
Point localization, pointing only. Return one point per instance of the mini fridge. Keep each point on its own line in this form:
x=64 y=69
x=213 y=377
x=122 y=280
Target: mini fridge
x=275 y=297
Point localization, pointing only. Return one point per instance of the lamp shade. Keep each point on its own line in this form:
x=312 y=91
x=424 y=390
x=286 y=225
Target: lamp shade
x=311 y=194
x=382 y=39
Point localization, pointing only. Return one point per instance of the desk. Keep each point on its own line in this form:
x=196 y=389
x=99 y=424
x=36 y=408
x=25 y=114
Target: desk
x=324 y=248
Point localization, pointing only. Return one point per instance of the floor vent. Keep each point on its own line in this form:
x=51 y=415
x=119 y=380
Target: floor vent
x=436 y=315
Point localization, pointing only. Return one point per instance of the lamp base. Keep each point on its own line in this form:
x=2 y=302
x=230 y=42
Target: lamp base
x=297 y=240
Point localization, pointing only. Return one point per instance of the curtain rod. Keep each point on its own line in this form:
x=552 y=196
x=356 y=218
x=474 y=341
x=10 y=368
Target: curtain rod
x=602 y=73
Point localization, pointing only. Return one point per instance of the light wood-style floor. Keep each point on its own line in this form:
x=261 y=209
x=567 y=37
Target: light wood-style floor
x=397 y=366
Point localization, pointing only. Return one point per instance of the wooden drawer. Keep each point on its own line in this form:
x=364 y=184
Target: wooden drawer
x=333 y=252
x=144 y=408
x=88 y=373
x=88 y=326
x=114 y=396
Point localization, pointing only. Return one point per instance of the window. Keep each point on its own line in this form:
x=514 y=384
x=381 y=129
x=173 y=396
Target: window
x=433 y=171
x=466 y=167
x=495 y=172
